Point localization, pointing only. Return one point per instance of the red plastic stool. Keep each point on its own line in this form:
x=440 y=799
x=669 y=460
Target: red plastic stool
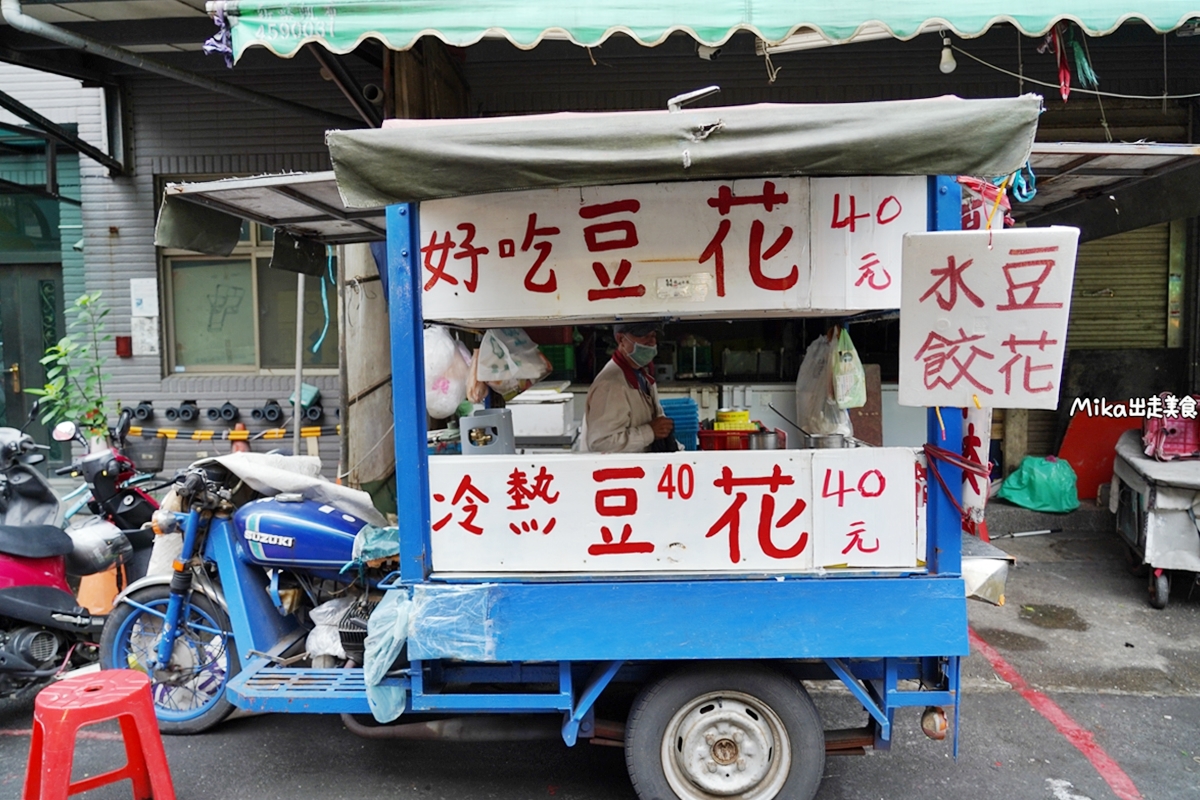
x=61 y=709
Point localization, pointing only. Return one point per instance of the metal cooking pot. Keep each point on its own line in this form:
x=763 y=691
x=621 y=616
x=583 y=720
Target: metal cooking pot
x=824 y=441
x=764 y=440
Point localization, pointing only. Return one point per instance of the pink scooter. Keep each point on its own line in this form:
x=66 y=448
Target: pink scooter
x=43 y=630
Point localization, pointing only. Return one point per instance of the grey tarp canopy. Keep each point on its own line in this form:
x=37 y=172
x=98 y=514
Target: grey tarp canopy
x=416 y=160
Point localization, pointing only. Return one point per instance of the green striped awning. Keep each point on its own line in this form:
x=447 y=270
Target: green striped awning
x=283 y=26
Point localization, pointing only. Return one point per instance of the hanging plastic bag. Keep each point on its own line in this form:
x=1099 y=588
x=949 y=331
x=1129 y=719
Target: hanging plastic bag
x=849 y=377
x=510 y=362
x=1042 y=484
x=817 y=411
x=445 y=373
x=476 y=389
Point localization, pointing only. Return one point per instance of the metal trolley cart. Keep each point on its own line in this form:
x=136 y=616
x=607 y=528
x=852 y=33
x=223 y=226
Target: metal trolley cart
x=1155 y=503
x=711 y=584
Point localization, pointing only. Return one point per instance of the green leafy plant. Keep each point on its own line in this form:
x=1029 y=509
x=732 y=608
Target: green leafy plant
x=75 y=374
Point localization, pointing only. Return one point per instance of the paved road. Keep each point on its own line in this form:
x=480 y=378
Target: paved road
x=1094 y=662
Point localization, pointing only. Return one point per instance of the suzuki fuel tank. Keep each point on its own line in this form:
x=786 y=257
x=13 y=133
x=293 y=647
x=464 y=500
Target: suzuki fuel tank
x=296 y=534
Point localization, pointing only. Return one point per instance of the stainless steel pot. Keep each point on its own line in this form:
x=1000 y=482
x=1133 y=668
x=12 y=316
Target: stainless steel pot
x=824 y=441
x=764 y=440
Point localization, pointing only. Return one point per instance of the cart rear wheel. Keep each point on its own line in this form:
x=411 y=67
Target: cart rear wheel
x=1160 y=588
x=725 y=730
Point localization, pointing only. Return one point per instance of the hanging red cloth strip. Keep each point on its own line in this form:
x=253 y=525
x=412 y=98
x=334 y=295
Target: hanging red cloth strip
x=1064 y=69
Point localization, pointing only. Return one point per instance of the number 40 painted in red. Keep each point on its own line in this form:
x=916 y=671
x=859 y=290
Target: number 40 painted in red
x=870 y=484
x=888 y=210
x=683 y=482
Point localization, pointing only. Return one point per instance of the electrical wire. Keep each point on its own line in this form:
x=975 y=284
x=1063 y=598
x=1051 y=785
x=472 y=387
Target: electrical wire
x=1095 y=92
x=372 y=449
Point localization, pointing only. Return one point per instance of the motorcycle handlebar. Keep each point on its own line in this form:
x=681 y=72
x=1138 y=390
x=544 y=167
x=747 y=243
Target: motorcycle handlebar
x=65 y=470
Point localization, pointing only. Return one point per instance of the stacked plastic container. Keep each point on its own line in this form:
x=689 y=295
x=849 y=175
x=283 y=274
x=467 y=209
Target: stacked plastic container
x=684 y=412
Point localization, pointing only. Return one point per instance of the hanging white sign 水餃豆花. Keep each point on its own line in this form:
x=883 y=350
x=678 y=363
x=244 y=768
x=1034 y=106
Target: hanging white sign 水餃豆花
x=984 y=317
x=686 y=250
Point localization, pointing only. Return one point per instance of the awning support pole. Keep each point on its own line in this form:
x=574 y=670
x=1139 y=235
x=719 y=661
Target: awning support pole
x=297 y=410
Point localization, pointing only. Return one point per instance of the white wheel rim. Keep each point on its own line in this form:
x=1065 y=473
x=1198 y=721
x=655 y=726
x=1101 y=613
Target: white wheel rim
x=726 y=744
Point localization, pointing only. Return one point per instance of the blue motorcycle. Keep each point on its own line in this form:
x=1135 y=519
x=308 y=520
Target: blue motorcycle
x=280 y=556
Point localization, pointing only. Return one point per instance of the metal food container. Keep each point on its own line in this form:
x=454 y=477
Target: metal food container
x=824 y=441
x=764 y=440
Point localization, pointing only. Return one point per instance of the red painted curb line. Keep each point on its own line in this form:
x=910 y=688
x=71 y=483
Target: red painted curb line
x=1071 y=730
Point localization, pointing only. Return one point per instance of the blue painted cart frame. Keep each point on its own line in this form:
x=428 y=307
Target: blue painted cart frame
x=871 y=632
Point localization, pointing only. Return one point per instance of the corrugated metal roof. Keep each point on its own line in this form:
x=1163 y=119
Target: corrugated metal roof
x=1068 y=173
x=305 y=204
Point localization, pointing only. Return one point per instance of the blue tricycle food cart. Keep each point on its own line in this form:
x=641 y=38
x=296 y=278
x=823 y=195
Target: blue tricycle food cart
x=710 y=585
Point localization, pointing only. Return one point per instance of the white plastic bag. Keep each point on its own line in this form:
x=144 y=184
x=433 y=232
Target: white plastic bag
x=324 y=639
x=849 y=377
x=509 y=361
x=445 y=373
x=817 y=411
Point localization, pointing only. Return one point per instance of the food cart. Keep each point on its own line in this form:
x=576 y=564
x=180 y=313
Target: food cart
x=712 y=583
x=1155 y=504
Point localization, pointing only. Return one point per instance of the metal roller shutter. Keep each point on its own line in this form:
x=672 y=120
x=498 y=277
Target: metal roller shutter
x=1120 y=298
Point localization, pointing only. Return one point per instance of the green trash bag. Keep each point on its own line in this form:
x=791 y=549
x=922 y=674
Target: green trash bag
x=1042 y=484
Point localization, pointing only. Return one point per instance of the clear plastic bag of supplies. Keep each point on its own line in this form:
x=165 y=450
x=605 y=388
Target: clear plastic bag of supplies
x=817 y=410
x=509 y=361
x=849 y=377
x=446 y=365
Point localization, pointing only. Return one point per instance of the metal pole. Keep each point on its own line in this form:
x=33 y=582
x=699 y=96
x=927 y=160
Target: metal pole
x=297 y=413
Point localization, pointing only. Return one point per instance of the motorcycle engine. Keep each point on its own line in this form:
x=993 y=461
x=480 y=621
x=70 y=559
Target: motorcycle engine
x=37 y=647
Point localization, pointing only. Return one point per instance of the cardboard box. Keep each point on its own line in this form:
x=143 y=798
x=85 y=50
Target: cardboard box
x=538 y=412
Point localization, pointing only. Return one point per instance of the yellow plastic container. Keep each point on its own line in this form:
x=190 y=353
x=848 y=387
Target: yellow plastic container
x=735 y=415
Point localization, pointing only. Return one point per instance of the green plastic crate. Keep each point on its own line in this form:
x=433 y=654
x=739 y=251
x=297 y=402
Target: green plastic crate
x=562 y=359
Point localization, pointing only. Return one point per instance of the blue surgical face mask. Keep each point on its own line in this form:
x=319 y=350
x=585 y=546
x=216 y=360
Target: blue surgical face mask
x=642 y=354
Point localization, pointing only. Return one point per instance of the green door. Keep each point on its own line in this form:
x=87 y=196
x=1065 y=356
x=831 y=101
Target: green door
x=31 y=320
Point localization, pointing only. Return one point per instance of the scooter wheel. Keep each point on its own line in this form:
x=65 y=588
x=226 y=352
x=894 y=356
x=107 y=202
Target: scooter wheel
x=189 y=692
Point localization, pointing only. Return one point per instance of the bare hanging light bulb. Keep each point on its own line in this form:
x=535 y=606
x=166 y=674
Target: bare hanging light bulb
x=947 y=64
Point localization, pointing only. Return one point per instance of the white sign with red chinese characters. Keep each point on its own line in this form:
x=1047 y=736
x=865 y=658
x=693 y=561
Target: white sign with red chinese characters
x=684 y=250
x=858 y=227
x=775 y=511
x=984 y=317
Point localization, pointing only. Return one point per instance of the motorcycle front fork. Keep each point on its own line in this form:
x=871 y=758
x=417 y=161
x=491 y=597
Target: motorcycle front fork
x=181 y=585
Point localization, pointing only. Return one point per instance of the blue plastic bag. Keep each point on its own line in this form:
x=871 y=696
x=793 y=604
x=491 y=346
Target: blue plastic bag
x=1042 y=483
x=387 y=630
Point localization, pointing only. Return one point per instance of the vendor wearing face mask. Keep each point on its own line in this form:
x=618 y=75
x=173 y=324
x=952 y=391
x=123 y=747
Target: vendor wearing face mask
x=623 y=413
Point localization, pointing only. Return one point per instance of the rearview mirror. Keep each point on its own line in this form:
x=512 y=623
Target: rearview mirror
x=64 y=431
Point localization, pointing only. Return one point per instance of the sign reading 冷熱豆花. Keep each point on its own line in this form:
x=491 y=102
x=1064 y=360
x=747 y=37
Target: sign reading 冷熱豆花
x=777 y=511
x=686 y=250
x=984 y=317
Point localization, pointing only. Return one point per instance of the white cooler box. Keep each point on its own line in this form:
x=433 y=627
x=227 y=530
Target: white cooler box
x=541 y=413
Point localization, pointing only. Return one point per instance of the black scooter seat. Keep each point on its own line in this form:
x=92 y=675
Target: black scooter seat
x=34 y=541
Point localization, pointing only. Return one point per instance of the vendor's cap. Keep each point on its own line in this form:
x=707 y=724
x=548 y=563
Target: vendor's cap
x=637 y=328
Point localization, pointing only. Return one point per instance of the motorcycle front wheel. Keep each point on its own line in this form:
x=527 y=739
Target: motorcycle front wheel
x=189 y=692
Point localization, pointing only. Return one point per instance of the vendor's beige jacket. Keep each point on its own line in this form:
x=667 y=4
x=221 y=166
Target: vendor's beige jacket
x=618 y=416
